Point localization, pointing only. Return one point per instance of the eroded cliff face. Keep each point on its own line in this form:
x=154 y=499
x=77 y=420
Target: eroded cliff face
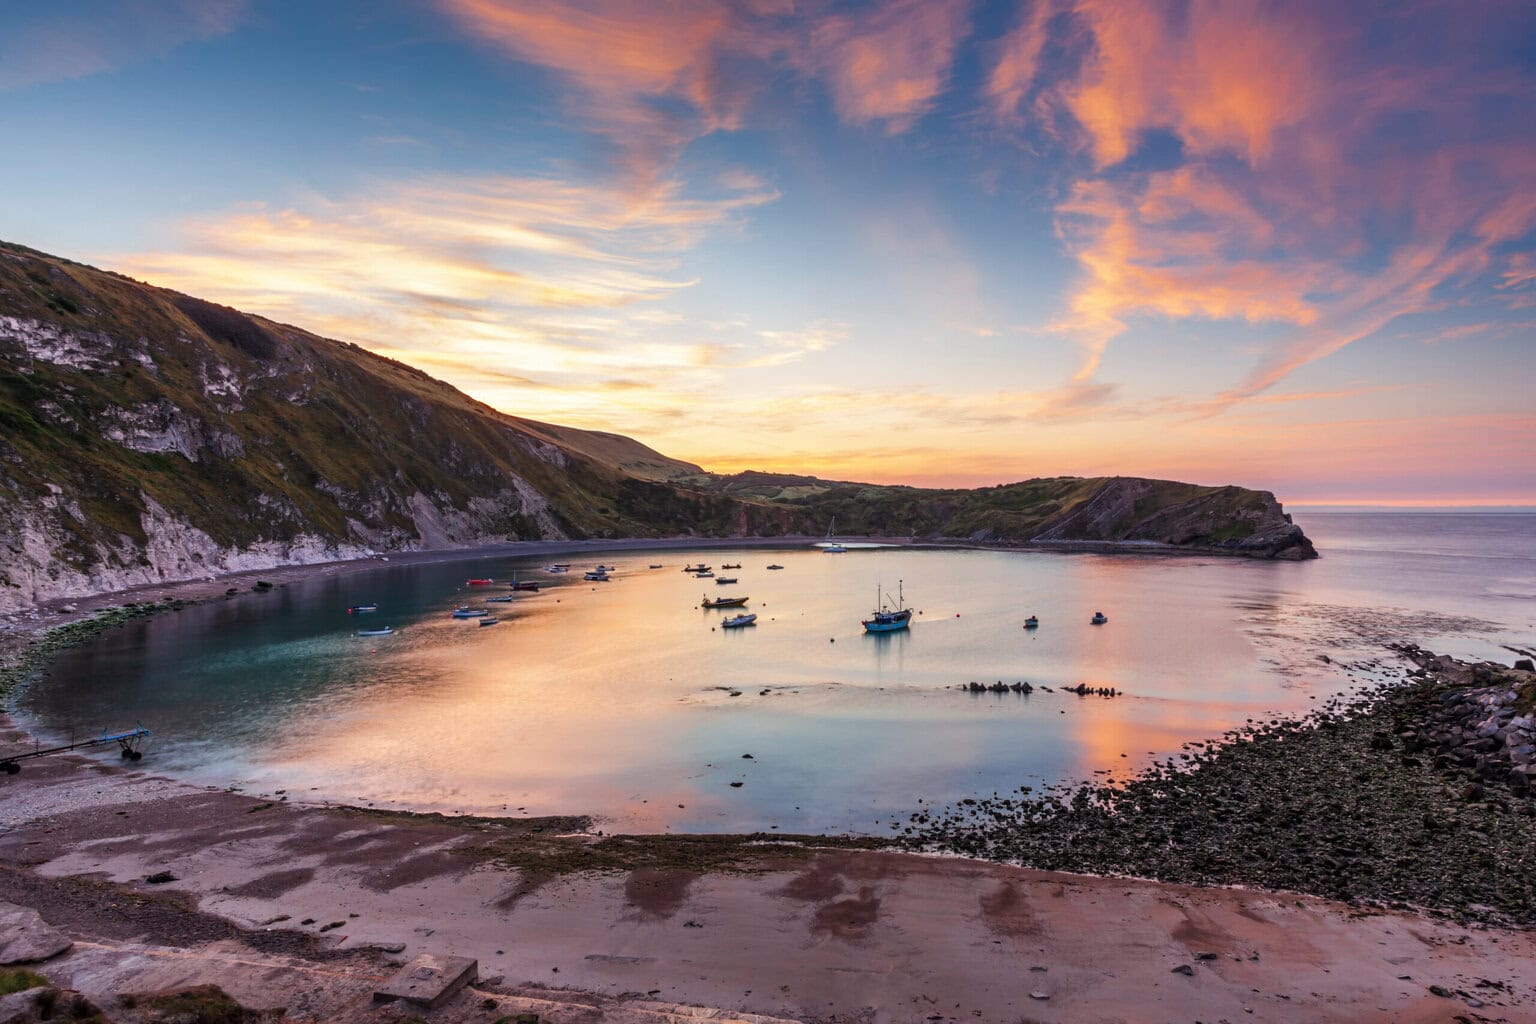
x=148 y=436
x=1234 y=520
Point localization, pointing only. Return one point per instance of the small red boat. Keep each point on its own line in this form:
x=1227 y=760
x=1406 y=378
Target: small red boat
x=478 y=583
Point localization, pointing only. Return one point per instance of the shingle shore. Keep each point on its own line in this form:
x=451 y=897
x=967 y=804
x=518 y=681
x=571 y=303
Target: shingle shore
x=1414 y=793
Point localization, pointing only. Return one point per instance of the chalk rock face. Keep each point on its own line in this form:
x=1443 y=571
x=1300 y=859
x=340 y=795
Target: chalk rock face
x=25 y=938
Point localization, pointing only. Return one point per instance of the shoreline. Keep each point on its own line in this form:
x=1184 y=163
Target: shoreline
x=267 y=894
x=202 y=588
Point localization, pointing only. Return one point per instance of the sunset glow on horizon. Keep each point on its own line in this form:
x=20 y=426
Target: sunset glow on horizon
x=1290 y=246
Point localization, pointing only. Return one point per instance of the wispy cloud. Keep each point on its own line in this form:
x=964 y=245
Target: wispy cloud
x=1255 y=163
x=888 y=64
x=1017 y=63
x=51 y=42
x=651 y=77
x=531 y=274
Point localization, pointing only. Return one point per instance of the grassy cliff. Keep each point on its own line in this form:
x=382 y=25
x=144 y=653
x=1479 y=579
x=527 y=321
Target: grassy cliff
x=146 y=434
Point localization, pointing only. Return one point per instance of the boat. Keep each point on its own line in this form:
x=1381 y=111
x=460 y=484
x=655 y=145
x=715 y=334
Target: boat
x=738 y=620
x=831 y=547
x=488 y=620
x=525 y=585
x=888 y=620
x=478 y=582
x=383 y=631
x=1099 y=618
x=359 y=609
x=558 y=567
x=736 y=566
x=464 y=611
x=775 y=567
x=500 y=600
x=594 y=575
x=723 y=602
x=701 y=567
x=1032 y=623
x=600 y=567
x=725 y=579
x=705 y=575
x=656 y=566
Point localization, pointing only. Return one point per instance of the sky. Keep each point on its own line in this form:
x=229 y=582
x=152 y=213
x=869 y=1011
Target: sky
x=1289 y=245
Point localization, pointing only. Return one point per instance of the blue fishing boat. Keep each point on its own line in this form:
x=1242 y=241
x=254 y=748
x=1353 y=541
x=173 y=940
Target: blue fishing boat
x=1099 y=618
x=885 y=619
x=466 y=612
x=1032 y=623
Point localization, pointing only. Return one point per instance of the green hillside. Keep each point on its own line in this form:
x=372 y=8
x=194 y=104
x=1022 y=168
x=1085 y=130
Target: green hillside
x=146 y=434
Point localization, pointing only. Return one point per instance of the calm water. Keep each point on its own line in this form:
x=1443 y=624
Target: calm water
x=626 y=701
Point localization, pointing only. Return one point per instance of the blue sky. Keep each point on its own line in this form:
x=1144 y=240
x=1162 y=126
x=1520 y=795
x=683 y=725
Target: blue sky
x=944 y=242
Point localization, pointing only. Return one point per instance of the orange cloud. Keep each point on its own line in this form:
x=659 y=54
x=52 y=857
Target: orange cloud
x=1226 y=75
x=892 y=63
x=1177 y=249
x=1286 y=189
x=1018 y=62
x=534 y=274
x=651 y=76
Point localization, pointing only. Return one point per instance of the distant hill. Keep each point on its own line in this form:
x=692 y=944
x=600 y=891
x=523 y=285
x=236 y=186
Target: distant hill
x=147 y=435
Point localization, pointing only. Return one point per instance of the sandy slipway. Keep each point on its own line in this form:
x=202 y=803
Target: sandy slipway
x=309 y=909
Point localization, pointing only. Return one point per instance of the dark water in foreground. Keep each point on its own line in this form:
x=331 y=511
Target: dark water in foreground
x=617 y=699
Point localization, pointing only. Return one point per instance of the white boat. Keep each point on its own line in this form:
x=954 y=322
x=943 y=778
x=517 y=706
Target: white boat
x=750 y=618
x=489 y=620
x=385 y=631
x=504 y=599
x=831 y=547
x=558 y=567
x=594 y=575
x=466 y=612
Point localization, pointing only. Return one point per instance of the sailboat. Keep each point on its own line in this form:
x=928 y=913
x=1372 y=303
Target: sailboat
x=888 y=620
x=831 y=547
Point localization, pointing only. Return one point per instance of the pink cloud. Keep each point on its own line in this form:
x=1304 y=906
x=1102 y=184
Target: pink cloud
x=891 y=63
x=1319 y=182
x=1017 y=63
x=653 y=77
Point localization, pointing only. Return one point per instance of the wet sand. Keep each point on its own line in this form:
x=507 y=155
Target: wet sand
x=315 y=895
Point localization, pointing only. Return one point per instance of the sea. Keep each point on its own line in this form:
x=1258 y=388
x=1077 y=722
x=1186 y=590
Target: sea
x=627 y=701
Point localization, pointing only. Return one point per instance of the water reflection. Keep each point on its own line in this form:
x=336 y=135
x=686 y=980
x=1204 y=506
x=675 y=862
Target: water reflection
x=626 y=699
